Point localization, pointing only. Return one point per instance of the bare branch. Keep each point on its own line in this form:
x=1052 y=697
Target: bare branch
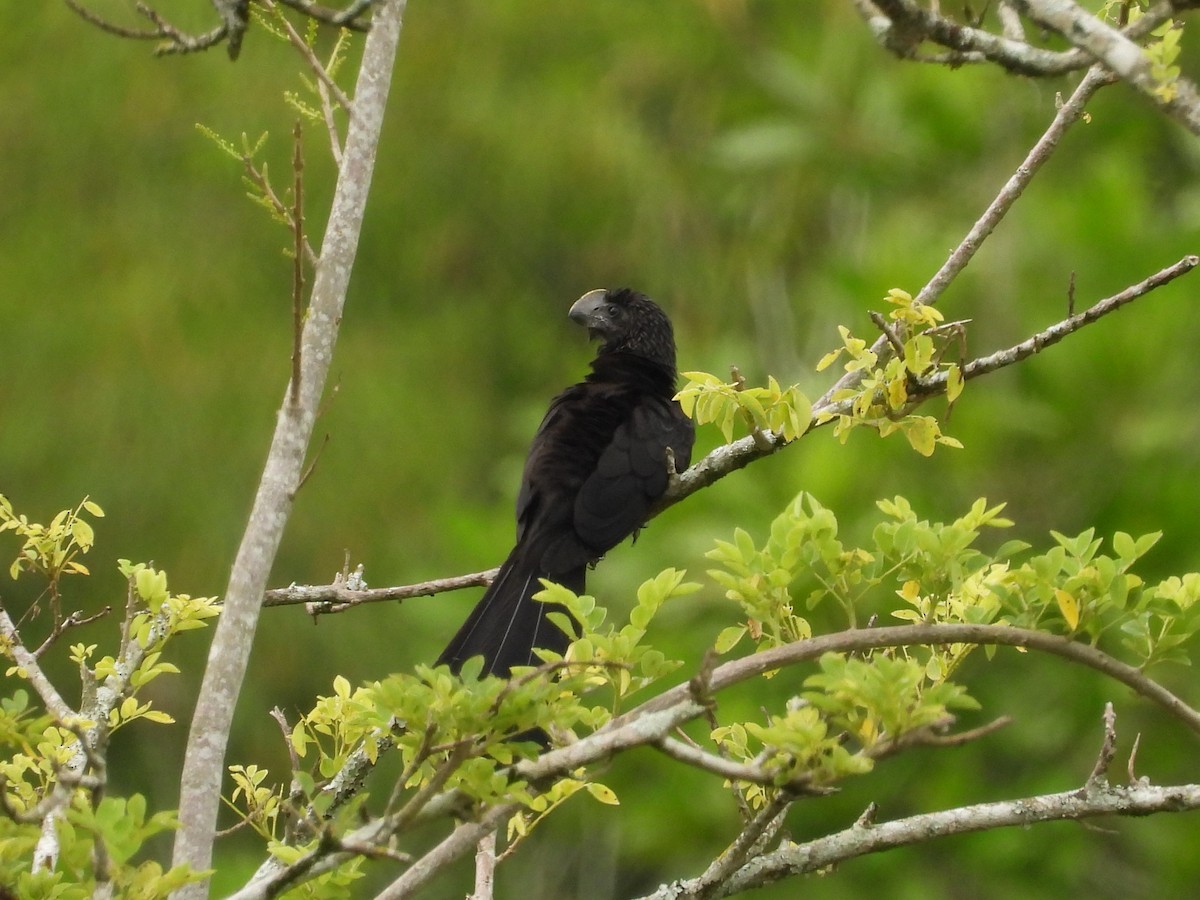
x=458 y=843
x=336 y=597
x=70 y=621
x=348 y=17
x=857 y=840
x=1108 y=749
x=298 y=244
x=1060 y=330
x=485 y=868
x=753 y=840
x=1131 y=765
x=232 y=27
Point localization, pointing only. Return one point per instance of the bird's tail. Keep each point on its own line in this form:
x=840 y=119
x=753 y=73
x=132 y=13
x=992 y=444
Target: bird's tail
x=507 y=623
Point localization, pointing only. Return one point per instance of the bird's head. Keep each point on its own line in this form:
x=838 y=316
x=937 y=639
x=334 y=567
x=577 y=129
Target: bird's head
x=626 y=321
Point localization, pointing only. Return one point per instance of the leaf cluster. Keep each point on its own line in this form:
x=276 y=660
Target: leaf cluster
x=860 y=707
x=891 y=383
x=707 y=399
x=51 y=550
x=53 y=770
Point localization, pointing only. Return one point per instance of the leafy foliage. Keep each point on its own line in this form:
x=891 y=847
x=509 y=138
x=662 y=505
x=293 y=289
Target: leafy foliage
x=707 y=399
x=53 y=771
x=51 y=550
x=940 y=575
x=891 y=382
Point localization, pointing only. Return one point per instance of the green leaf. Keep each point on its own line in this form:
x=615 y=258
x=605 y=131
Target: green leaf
x=729 y=637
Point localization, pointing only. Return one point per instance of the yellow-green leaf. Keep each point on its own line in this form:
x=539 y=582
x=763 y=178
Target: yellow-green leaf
x=828 y=359
x=603 y=793
x=1068 y=606
x=922 y=433
x=729 y=637
x=954 y=383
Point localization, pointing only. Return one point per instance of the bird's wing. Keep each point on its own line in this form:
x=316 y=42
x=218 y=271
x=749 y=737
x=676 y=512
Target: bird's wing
x=632 y=473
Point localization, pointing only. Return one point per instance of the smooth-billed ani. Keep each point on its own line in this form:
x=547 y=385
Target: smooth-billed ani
x=597 y=464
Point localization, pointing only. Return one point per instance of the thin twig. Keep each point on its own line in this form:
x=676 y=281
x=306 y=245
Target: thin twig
x=1108 y=749
x=907 y=25
x=335 y=139
x=297 y=223
x=762 y=828
x=890 y=335
x=258 y=178
x=459 y=842
x=348 y=17
x=70 y=621
x=1060 y=330
x=316 y=458
x=306 y=52
x=867 y=817
x=1131 y=765
x=111 y=27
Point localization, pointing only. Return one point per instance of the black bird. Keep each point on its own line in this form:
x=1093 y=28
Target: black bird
x=597 y=464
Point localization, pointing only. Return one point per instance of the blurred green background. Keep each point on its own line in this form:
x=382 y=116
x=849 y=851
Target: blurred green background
x=758 y=166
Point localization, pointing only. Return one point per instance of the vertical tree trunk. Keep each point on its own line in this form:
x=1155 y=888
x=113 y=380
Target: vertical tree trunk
x=204 y=762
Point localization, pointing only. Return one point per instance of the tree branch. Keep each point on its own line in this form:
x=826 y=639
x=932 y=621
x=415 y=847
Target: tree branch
x=860 y=840
x=750 y=843
x=234 y=21
x=306 y=53
x=678 y=702
x=1056 y=332
x=337 y=597
x=1106 y=44
x=901 y=26
x=32 y=672
x=203 y=763
x=459 y=842
x=692 y=755
x=1067 y=115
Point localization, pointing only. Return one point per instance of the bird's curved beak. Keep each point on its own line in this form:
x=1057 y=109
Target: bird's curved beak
x=588 y=311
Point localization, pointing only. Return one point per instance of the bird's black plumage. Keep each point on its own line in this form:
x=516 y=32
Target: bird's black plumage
x=597 y=464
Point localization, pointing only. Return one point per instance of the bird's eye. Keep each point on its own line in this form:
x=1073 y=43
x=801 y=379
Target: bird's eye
x=615 y=311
